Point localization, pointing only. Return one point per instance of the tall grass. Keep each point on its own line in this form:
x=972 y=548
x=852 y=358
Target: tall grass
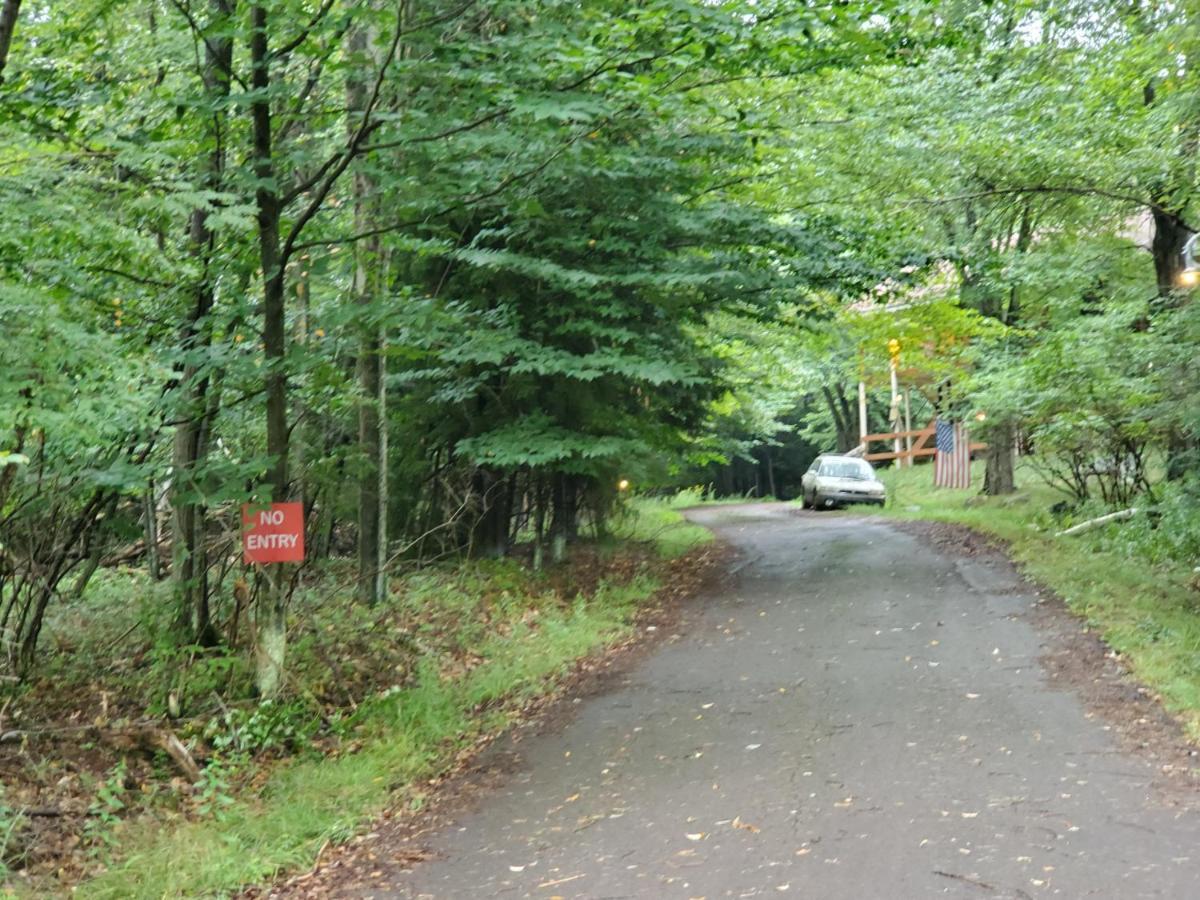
x=657 y=521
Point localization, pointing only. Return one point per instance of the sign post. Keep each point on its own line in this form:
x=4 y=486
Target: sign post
x=273 y=534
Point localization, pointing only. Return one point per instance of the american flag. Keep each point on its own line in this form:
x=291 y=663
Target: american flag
x=952 y=463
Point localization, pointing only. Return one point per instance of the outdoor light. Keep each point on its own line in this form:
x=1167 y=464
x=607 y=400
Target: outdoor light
x=980 y=416
x=623 y=484
x=1189 y=277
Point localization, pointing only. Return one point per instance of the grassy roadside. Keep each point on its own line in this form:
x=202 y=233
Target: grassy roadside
x=403 y=736
x=1148 y=611
x=657 y=520
x=493 y=638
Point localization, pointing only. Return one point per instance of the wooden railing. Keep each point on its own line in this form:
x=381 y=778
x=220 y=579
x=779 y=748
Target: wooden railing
x=923 y=445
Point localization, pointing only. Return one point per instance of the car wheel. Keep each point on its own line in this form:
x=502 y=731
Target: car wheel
x=804 y=504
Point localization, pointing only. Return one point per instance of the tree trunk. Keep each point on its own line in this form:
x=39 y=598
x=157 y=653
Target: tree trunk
x=998 y=478
x=272 y=604
x=1170 y=236
x=8 y=24
x=368 y=371
x=151 y=529
x=370 y=500
x=563 y=526
x=489 y=537
x=538 y=493
x=188 y=515
x=845 y=430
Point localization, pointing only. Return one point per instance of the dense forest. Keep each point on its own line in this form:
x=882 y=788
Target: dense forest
x=461 y=277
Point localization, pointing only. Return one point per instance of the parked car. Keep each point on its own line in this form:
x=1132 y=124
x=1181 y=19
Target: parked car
x=834 y=480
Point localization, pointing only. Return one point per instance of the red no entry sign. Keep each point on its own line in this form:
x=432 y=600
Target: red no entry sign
x=274 y=534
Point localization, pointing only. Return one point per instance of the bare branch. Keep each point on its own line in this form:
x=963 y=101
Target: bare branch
x=289 y=46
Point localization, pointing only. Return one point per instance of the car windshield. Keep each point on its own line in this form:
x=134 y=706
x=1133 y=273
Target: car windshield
x=847 y=468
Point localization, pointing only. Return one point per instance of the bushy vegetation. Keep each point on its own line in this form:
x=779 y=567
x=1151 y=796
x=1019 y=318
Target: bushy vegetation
x=400 y=734
x=379 y=698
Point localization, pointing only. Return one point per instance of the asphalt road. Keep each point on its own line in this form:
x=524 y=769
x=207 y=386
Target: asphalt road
x=854 y=715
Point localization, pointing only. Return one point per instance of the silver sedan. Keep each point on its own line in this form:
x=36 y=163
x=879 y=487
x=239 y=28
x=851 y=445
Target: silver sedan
x=835 y=480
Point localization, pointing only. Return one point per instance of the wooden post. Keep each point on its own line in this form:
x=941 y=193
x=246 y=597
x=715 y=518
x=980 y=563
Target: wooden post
x=895 y=416
x=908 y=426
x=862 y=411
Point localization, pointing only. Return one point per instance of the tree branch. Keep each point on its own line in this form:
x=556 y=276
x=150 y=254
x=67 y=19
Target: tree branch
x=341 y=162
x=504 y=185
x=286 y=48
x=186 y=12
x=1072 y=190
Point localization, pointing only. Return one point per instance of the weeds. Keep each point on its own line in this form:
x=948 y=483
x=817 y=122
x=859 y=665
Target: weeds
x=104 y=814
x=657 y=521
x=11 y=822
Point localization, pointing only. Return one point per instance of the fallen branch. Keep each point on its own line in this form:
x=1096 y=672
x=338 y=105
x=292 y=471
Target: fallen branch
x=179 y=754
x=1101 y=520
x=145 y=737
x=973 y=881
x=52 y=812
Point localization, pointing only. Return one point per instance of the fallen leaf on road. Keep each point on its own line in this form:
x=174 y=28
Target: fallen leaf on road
x=745 y=826
x=753 y=746
x=697 y=836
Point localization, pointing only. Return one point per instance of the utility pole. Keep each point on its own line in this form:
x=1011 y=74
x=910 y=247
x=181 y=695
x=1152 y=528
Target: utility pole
x=862 y=412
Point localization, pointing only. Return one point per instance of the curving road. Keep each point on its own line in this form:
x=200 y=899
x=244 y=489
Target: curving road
x=853 y=715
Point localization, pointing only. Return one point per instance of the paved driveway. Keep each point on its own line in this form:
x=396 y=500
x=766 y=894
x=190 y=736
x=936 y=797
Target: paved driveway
x=854 y=715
